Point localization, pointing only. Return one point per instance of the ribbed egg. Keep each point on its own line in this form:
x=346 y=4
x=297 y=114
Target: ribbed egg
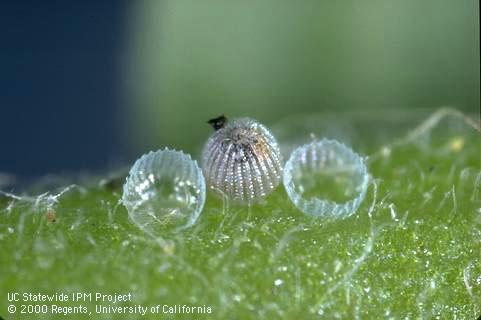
x=165 y=187
x=326 y=178
x=241 y=160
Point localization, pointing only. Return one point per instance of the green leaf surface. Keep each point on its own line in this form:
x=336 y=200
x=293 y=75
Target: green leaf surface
x=412 y=250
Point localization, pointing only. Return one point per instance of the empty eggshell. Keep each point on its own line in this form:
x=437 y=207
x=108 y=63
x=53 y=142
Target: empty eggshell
x=165 y=187
x=326 y=178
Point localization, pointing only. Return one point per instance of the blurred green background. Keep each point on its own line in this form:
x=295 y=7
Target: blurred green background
x=100 y=83
x=190 y=61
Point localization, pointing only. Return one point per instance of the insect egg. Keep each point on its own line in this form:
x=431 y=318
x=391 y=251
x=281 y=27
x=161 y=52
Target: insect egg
x=241 y=160
x=326 y=178
x=165 y=187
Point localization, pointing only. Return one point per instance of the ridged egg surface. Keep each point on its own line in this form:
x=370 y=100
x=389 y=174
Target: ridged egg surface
x=165 y=187
x=242 y=161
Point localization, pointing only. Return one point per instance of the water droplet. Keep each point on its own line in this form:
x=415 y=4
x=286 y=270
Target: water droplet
x=164 y=188
x=278 y=282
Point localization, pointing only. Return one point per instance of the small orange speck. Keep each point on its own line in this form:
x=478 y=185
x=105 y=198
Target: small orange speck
x=51 y=216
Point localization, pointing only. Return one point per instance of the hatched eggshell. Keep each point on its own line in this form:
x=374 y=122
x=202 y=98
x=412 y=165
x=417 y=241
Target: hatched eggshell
x=165 y=187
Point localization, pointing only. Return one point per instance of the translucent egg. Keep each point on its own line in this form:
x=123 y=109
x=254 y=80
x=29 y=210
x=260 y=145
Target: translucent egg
x=164 y=188
x=326 y=178
x=241 y=160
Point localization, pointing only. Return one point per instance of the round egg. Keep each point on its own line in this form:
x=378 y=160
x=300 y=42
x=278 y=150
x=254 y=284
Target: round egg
x=164 y=188
x=241 y=160
x=326 y=179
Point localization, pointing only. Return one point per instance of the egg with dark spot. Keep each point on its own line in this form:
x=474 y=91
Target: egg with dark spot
x=241 y=160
